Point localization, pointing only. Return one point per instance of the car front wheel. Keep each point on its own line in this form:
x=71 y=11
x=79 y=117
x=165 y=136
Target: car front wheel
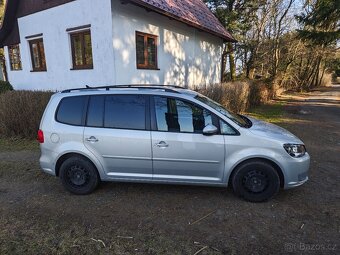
x=79 y=176
x=256 y=181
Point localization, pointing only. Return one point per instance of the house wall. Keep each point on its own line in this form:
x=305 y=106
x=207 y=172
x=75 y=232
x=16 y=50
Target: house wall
x=53 y=24
x=186 y=56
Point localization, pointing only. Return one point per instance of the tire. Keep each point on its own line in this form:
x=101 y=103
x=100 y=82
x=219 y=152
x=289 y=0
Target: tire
x=79 y=176
x=256 y=181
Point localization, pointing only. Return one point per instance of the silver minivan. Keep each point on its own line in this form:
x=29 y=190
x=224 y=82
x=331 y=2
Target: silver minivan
x=165 y=134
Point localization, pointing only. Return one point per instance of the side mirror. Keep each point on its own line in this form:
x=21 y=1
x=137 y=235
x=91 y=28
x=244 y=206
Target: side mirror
x=210 y=130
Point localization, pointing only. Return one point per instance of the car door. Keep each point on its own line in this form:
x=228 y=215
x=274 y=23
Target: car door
x=117 y=133
x=181 y=153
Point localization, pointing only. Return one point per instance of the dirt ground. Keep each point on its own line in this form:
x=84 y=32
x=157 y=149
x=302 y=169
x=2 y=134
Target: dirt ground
x=37 y=216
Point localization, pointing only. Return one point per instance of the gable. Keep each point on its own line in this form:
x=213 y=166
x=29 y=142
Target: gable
x=9 y=33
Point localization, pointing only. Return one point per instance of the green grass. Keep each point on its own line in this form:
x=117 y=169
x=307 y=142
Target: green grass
x=271 y=112
x=17 y=144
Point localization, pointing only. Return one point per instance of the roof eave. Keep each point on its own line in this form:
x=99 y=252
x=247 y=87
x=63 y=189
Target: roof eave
x=171 y=16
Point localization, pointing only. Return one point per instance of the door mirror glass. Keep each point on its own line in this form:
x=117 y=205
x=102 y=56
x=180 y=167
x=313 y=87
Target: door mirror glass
x=210 y=130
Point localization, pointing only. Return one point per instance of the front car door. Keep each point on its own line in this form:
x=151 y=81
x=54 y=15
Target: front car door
x=117 y=132
x=181 y=153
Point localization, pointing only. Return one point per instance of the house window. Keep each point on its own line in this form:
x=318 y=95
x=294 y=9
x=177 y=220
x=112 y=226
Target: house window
x=82 y=50
x=146 y=47
x=38 y=55
x=14 y=57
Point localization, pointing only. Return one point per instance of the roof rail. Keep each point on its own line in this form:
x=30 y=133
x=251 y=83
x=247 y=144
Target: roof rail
x=167 y=88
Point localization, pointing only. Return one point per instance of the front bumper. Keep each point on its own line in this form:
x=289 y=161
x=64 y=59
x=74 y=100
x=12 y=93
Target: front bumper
x=296 y=171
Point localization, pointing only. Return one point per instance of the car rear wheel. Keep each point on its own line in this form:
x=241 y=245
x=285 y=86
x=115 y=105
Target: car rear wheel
x=79 y=176
x=256 y=181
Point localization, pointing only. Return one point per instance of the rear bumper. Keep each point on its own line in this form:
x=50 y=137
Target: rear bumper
x=296 y=171
x=47 y=162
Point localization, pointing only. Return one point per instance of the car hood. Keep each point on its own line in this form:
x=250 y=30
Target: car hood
x=265 y=129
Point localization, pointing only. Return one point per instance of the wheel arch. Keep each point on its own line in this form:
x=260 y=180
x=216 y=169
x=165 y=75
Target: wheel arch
x=271 y=162
x=66 y=156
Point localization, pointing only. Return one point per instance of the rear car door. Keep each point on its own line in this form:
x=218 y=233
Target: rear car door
x=117 y=132
x=181 y=153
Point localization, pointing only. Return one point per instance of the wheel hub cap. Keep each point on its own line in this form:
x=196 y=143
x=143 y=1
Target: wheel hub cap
x=255 y=181
x=77 y=175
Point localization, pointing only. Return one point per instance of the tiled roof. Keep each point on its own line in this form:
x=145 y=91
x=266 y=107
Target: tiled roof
x=191 y=12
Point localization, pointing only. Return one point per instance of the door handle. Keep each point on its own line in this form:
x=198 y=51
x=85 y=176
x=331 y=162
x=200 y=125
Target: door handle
x=162 y=144
x=92 y=139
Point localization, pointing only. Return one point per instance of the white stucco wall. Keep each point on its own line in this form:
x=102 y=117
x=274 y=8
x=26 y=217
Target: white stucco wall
x=186 y=57
x=53 y=24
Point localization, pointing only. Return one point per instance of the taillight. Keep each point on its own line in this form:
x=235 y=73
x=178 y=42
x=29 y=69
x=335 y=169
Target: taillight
x=40 y=136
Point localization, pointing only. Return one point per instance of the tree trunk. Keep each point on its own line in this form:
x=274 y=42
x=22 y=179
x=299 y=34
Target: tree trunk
x=232 y=61
x=315 y=81
x=224 y=64
x=276 y=58
x=250 y=64
x=322 y=75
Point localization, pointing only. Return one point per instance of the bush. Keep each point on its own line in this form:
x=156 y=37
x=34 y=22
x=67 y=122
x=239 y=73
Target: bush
x=21 y=112
x=326 y=80
x=5 y=86
x=238 y=96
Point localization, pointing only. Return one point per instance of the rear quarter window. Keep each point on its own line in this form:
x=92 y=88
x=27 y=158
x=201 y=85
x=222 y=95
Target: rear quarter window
x=95 y=113
x=71 y=110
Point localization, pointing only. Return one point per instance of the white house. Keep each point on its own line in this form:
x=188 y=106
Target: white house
x=58 y=44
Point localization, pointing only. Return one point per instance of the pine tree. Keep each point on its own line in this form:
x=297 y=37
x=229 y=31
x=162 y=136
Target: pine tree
x=320 y=22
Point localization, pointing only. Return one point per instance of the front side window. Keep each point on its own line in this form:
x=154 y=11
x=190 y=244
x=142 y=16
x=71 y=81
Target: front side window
x=146 y=48
x=173 y=115
x=14 y=57
x=226 y=129
x=82 y=50
x=71 y=110
x=38 y=55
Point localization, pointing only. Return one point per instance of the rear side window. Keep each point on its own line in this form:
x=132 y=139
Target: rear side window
x=71 y=110
x=95 y=114
x=125 y=112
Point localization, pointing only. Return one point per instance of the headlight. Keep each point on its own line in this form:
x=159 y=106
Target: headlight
x=295 y=150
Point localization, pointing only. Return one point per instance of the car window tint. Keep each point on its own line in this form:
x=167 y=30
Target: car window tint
x=125 y=112
x=71 y=110
x=175 y=115
x=95 y=114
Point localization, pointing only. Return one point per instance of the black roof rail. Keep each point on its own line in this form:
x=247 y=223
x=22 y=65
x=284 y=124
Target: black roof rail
x=167 y=88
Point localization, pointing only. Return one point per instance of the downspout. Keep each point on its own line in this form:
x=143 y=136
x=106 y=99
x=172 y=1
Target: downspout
x=194 y=58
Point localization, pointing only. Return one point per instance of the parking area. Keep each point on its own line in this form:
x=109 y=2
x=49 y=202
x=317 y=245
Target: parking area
x=37 y=216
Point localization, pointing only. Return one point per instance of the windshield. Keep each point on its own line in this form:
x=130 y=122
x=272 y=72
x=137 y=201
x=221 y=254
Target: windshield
x=238 y=119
